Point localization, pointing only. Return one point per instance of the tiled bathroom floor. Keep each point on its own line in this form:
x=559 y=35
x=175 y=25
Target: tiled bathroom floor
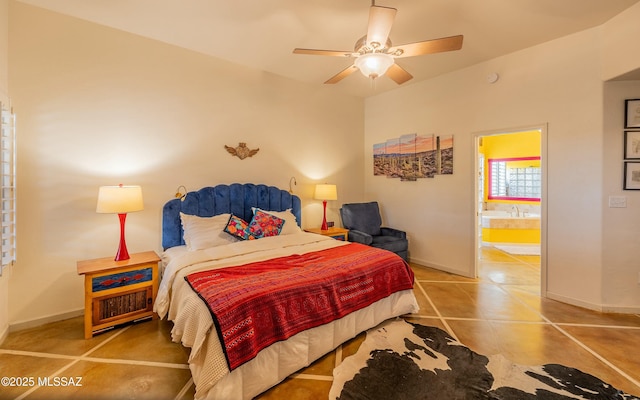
x=500 y=312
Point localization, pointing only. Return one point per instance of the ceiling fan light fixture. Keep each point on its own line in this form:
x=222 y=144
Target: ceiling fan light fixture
x=374 y=53
x=373 y=65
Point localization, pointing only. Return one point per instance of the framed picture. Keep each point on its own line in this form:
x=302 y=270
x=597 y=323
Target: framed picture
x=631 y=175
x=632 y=114
x=631 y=145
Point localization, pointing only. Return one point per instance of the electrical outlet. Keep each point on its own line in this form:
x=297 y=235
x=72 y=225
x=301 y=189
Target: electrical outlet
x=617 y=201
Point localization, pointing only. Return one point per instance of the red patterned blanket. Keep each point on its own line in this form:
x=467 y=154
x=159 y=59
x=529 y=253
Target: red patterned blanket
x=258 y=304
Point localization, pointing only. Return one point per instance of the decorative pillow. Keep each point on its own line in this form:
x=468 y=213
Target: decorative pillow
x=204 y=232
x=290 y=221
x=264 y=224
x=239 y=228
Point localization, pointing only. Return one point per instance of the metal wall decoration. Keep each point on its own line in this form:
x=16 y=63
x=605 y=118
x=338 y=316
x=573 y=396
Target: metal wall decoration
x=414 y=156
x=242 y=151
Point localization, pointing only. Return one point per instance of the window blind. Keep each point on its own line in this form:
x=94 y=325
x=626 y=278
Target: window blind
x=7 y=186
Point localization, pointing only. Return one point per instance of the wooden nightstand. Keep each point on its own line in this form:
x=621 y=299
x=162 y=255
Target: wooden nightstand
x=116 y=292
x=336 y=233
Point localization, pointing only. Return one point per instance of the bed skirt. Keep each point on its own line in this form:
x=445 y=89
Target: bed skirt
x=276 y=362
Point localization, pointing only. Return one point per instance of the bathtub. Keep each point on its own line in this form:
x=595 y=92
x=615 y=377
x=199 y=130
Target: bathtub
x=502 y=227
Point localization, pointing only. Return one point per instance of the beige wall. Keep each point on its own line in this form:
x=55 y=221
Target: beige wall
x=557 y=84
x=620 y=249
x=4 y=89
x=619 y=44
x=99 y=106
x=620 y=241
x=4 y=49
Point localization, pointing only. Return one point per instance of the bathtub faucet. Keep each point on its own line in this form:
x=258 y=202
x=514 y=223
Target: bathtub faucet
x=517 y=210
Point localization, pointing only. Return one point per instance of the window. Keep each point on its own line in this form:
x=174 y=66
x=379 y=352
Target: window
x=515 y=179
x=7 y=187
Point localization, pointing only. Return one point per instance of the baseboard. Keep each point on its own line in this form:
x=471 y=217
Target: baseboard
x=574 y=302
x=4 y=333
x=439 y=267
x=595 y=307
x=621 y=310
x=20 y=325
x=550 y=295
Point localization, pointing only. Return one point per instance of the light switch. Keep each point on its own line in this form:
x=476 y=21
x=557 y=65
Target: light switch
x=617 y=201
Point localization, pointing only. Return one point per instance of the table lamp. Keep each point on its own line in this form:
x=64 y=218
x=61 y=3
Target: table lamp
x=325 y=192
x=120 y=200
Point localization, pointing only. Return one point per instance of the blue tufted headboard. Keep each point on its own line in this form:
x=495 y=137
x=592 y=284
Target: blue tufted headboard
x=237 y=199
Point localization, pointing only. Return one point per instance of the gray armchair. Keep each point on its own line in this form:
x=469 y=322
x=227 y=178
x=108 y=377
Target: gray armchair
x=364 y=223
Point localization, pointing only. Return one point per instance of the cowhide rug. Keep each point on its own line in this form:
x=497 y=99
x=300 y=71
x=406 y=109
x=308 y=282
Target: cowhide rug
x=400 y=360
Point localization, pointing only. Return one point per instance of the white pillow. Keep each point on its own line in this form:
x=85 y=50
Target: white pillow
x=204 y=232
x=290 y=225
x=171 y=254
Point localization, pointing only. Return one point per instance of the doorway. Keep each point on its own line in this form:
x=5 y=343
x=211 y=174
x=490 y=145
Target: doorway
x=510 y=211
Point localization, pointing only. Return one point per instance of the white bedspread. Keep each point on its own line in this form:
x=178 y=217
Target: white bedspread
x=193 y=322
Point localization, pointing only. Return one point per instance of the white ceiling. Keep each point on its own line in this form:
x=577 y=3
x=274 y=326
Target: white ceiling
x=262 y=34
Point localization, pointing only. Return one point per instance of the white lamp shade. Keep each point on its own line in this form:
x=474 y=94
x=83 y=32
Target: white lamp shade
x=326 y=192
x=373 y=65
x=119 y=199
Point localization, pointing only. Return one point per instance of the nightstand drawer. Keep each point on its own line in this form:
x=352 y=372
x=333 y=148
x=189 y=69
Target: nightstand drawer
x=111 y=281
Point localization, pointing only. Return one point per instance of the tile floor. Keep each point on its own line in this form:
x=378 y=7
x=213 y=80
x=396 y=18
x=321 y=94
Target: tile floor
x=500 y=312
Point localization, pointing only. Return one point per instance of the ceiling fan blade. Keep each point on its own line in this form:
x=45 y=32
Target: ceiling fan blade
x=380 y=22
x=427 y=47
x=332 y=53
x=398 y=74
x=342 y=74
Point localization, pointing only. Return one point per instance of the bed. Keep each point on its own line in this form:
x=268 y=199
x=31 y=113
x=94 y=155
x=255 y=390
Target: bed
x=210 y=256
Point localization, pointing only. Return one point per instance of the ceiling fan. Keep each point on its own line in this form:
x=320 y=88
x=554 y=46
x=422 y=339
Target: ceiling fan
x=375 y=55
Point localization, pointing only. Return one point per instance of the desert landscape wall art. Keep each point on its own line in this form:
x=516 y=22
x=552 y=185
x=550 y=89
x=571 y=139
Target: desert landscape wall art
x=414 y=156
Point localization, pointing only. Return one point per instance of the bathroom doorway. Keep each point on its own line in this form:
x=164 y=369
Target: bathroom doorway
x=510 y=206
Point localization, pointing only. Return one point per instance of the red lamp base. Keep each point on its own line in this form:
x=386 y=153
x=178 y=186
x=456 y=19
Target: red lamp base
x=122 y=253
x=324 y=226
